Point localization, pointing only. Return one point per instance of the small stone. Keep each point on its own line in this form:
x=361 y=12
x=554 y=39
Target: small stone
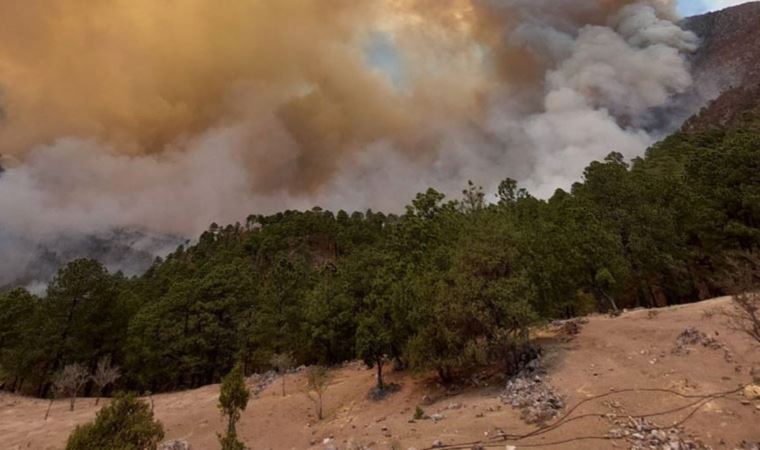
x=437 y=444
x=752 y=391
x=174 y=445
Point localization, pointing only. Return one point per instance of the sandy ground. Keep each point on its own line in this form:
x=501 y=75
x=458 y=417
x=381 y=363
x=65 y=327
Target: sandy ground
x=632 y=351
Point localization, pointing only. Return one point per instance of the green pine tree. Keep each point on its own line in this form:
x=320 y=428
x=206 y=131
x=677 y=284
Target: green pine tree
x=233 y=400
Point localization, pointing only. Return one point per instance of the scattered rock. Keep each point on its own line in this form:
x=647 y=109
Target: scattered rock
x=355 y=365
x=437 y=417
x=691 y=336
x=568 y=329
x=529 y=392
x=259 y=382
x=644 y=435
x=174 y=445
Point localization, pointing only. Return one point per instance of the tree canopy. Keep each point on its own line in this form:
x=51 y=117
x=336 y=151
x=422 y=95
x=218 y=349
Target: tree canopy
x=447 y=285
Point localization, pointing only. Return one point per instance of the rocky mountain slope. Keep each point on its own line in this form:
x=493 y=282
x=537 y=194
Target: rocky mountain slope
x=726 y=67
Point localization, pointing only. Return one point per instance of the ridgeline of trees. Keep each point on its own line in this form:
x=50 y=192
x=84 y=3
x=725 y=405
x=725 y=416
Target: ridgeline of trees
x=448 y=285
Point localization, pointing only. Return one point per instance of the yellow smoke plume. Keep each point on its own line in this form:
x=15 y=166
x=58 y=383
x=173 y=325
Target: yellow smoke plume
x=143 y=76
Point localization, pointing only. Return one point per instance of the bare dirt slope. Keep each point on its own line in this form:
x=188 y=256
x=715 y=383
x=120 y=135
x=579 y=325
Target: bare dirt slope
x=634 y=351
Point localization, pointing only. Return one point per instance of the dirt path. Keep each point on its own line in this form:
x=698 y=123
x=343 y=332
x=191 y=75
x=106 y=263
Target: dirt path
x=609 y=354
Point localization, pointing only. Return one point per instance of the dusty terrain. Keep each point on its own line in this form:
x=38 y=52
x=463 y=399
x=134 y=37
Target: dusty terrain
x=633 y=352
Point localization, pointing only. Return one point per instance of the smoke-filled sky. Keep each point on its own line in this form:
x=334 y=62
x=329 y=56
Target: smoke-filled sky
x=170 y=115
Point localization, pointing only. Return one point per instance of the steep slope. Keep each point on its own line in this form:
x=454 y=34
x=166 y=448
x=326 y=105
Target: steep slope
x=608 y=356
x=726 y=67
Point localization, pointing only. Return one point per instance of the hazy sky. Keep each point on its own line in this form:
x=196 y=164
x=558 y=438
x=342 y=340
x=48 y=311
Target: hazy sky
x=689 y=7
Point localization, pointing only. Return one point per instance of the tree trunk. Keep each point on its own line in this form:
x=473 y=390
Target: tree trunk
x=380 y=384
x=444 y=373
x=283 y=383
x=609 y=299
x=73 y=400
x=50 y=405
x=231 y=431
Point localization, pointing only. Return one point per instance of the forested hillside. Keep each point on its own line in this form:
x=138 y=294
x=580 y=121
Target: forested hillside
x=448 y=285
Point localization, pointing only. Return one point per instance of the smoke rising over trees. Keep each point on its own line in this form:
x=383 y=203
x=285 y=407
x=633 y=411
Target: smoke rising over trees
x=234 y=113
x=448 y=285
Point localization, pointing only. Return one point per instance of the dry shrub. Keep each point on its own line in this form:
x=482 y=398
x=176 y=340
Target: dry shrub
x=318 y=378
x=744 y=316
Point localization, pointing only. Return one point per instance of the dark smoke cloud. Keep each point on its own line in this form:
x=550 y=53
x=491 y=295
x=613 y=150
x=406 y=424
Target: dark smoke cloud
x=169 y=115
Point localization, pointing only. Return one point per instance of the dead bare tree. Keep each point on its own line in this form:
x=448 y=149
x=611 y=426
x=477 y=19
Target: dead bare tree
x=105 y=375
x=744 y=316
x=70 y=380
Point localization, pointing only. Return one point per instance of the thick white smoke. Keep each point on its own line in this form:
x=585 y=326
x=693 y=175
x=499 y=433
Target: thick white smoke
x=597 y=98
x=451 y=115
